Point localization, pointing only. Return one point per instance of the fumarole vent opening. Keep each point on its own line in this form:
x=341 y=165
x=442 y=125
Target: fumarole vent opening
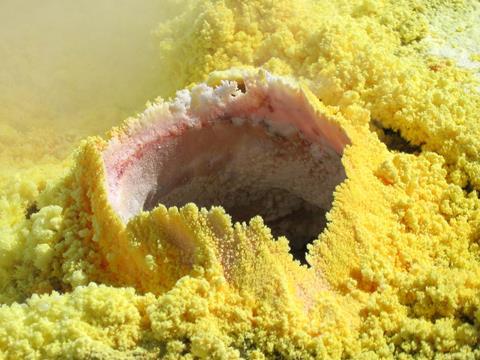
x=262 y=146
x=239 y=165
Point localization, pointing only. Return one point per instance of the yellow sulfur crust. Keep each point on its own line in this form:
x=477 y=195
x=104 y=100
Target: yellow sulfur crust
x=399 y=260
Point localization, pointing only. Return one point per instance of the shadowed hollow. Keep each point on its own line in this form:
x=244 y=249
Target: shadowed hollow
x=249 y=171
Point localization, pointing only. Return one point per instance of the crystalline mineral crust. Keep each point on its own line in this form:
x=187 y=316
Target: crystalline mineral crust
x=252 y=145
x=147 y=244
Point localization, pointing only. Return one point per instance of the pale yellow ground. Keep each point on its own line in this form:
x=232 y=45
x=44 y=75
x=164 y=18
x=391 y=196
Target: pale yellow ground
x=400 y=255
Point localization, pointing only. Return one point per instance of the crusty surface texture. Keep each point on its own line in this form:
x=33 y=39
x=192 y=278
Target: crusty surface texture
x=395 y=273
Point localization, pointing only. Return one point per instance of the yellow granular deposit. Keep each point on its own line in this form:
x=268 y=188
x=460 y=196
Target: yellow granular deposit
x=399 y=260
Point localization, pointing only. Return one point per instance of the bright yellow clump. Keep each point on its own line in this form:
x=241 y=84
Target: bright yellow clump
x=400 y=256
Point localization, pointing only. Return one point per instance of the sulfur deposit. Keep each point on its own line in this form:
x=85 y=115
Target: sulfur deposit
x=307 y=187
